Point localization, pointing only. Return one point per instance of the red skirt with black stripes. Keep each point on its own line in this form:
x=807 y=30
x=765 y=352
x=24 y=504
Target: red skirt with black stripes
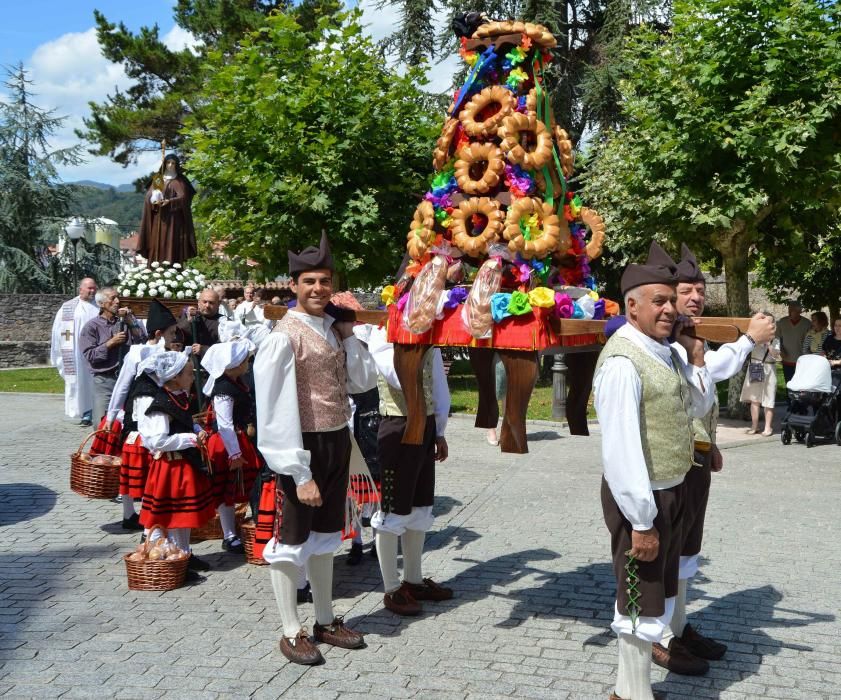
x=176 y=495
x=232 y=486
x=107 y=443
x=134 y=468
x=269 y=513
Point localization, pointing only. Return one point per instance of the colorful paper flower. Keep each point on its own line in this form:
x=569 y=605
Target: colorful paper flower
x=598 y=310
x=499 y=306
x=542 y=297
x=387 y=295
x=587 y=306
x=563 y=305
x=455 y=296
x=519 y=304
x=577 y=311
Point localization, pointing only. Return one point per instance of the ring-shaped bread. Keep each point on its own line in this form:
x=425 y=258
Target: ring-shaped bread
x=542 y=242
x=495 y=94
x=444 y=146
x=592 y=219
x=564 y=144
x=470 y=158
x=476 y=246
x=510 y=133
x=421 y=231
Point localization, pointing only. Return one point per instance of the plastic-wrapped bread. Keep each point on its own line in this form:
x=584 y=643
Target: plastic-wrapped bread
x=424 y=296
x=476 y=312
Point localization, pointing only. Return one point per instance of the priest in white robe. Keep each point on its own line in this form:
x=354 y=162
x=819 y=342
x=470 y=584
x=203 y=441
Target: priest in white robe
x=66 y=355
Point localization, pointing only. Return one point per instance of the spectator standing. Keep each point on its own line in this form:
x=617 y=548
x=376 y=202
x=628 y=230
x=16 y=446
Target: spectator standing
x=792 y=331
x=104 y=340
x=760 y=385
x=832 y=345
x=817 y=334
x=207 y=322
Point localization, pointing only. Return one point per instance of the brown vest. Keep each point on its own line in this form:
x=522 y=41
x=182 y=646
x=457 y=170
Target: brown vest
x=321 y=376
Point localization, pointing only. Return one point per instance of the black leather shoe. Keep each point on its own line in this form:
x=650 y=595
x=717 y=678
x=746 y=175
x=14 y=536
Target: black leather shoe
x=233 y=544
x=678 y=659
x=197 y=564
x=354 y=557
x=132 y=523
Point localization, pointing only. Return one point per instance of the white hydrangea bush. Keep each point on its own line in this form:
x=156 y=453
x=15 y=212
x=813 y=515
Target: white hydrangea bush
x=162 y=279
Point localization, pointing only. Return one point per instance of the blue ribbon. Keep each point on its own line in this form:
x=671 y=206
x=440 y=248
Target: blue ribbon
x=487 y=56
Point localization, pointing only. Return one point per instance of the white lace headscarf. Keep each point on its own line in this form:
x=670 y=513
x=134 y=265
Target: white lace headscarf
x=222 y=356
x=163 y=366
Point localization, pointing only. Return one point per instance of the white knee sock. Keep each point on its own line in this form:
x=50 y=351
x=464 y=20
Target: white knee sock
x=633 y=679
x=284 y=577
x=387 y=554
x=320 y=570
x=679 y=615
x=128 y=507
x=228 y=521
x=181 y=535
x=412 y=541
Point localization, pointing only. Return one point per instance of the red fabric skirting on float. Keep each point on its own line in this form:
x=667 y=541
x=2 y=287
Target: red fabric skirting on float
x=134 y=468
x=528 y=332
x=232 y=486
x=108 y=443
x=176 y=495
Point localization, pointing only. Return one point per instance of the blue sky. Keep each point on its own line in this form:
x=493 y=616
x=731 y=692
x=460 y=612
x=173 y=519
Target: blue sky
x=56 y=41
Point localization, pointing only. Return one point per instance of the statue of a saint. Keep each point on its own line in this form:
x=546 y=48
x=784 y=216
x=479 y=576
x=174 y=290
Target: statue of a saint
x=166 y=229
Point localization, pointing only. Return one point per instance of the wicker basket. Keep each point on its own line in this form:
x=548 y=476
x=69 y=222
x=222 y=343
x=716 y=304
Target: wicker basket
x=247 y=532
x=212 y=529
x=93 y=480
x=155 y=575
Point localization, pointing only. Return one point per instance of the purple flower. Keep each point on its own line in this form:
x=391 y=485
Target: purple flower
x=455 y=296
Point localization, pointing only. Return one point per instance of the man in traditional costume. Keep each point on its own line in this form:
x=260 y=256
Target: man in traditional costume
x=303 y=374
x=683 y=650
x=645 y=397
x=166 y=225
x=408 y=477
x=66 y=355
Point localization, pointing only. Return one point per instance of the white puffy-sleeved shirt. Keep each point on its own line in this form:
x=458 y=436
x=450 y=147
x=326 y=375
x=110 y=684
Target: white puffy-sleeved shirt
x=725 y=362
x=618 y=392
x=135 y=355
x=383 y=353
x=276 y=392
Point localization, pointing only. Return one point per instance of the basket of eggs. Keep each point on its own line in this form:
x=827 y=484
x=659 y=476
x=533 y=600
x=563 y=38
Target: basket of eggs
x=157 y=564
x=94 y=476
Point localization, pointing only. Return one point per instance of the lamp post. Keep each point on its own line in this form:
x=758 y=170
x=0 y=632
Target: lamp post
x=75 y=230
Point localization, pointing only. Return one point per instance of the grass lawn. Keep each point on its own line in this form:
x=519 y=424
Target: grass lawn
x=41 y=380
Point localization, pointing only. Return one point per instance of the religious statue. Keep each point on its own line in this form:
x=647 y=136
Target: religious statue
x=166 y=228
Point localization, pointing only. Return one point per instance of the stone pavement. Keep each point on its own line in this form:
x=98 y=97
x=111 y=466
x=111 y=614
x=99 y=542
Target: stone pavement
x=520 y=538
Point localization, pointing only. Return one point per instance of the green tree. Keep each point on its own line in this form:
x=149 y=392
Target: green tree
x=303 y=131
x=30 y=194
x=166 y=82
x=730 y=138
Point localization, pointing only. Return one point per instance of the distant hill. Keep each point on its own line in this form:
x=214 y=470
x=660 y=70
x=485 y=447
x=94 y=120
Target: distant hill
x=95 y=199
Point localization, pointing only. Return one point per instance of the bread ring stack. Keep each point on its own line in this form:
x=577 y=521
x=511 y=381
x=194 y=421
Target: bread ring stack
x=548 y=238
x=593 y=221
x=564 y=144
x=512 y=127
x=487 y=127
x=444 y=146
x=536 y=32
x=470 y=158
x=421 y=231
x=475 y=246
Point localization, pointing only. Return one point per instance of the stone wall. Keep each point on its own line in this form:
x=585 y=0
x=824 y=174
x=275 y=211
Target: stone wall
x=28 y=353
x=28 y=316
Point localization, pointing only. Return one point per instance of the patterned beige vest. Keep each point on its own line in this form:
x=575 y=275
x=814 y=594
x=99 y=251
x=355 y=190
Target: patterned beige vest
x=665 y=424
x=321 y=376
x=393 y=402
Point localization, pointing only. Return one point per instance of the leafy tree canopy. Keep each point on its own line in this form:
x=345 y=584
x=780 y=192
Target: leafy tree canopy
x=731 y=139
x=166 y=83
x=304 y=130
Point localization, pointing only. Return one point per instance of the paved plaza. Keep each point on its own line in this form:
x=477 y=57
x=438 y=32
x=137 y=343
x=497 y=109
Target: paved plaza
x=519 y=537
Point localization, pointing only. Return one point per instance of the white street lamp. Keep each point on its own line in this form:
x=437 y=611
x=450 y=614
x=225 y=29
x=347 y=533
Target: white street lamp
x=75 y=230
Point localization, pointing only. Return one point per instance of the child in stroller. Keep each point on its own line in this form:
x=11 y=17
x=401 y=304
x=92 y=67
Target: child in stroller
x=814 y=397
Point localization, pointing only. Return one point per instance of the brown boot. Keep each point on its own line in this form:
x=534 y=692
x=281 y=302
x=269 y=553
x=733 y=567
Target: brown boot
x=701 y=646
x=428 y=590
x=300 y=650
x=402 y=602
x=338 y=635
x=678 y=659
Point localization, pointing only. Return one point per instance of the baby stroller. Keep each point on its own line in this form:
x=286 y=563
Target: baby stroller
x=813 y=393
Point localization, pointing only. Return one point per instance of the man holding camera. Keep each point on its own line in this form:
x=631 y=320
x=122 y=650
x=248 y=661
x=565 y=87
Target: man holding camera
x=104 y=341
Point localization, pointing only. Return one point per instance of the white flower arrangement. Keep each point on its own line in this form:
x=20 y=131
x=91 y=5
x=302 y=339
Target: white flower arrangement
x=162 y=279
